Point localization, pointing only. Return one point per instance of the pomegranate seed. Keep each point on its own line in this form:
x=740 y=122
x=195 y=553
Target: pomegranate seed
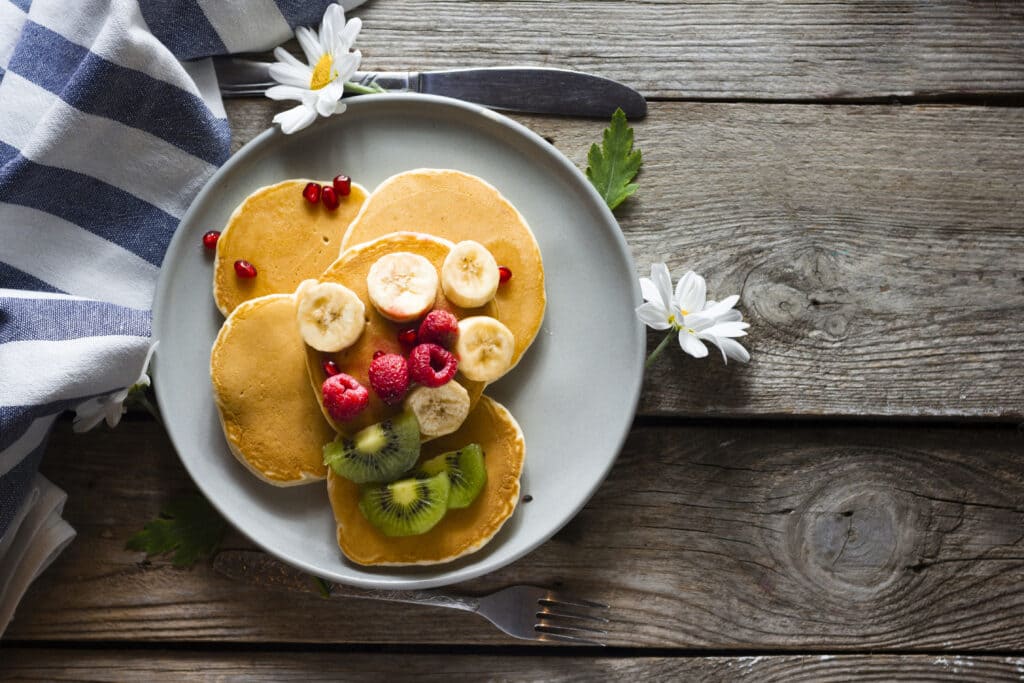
x=378 y=353
x=210 y=239
x=312 y=192
x=504 y=274
x=244 y=269
x=408 y=337
x=330 y=367
x=329 y=196
x=343 y=184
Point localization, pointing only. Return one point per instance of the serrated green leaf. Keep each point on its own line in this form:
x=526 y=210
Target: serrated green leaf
x=189 y=526
x=612 y=166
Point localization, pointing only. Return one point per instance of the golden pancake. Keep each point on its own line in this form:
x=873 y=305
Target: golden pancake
x=271 y=421
x=381 y=334
x=285 y=237
x=461 y=531
x=458 y=206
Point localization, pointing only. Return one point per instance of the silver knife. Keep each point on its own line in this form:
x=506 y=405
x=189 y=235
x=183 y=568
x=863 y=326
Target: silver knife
x=537 y=90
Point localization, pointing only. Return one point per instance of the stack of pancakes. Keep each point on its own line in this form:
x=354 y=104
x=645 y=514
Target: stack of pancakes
x=266 y=380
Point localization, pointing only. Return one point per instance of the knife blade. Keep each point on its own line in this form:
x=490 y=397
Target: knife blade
x=538 y=90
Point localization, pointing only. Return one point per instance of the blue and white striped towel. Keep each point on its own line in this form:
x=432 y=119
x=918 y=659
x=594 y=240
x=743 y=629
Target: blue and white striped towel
x=105 y=138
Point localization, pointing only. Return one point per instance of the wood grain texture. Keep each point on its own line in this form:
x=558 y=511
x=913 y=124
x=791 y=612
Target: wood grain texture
x=878 y=252
x=676 y=49
x=726 y=537
x=161 y=665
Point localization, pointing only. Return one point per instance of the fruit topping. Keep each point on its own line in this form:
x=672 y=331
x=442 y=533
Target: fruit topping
x=331 y=316
x=329 y=197
x=210 y=239
x=432 y=365
x=312 y=192
x=380 y=452
x=466 y=473
x=469 y=275
x=504 y=274
x=244 y=269
x=344 y=396
x=389 y=377
x=408 y=338
x=485 y=348
x=330 y=367
x=439 y=410
x=378 y=353
x=408 y=507
x=342 y=185
x=402 y=286
x=439 y=327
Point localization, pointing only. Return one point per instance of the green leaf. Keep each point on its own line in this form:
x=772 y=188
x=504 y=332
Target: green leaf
x=612 y=166
x=188 y=525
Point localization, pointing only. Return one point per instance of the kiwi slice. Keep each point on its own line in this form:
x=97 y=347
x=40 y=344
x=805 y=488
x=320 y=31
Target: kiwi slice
x=406 y=507
x=466 y=470
x=381 y=452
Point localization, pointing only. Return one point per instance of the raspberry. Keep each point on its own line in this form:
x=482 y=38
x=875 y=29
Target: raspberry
x=439 y=327
x=344 y=397
x=389 y=377
x=431 y=365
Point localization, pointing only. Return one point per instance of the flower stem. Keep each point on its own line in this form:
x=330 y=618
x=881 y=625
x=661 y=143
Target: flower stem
x=659 y=348
x=360 y=89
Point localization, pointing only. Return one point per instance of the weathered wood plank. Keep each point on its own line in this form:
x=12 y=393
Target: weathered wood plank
x=159 y=665
x=878 y=250
x=764 y=50
x=732 y=537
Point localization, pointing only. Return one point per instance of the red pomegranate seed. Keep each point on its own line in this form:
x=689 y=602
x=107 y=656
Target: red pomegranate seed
x=504 y=274
x=378 y=353
x=244 y=269
x=210 y=239
x=329 y=196
x=408 y=337
x=343 y=185
x=330 y=367
x=312 y=192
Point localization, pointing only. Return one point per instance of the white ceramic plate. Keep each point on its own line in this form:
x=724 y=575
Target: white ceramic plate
x=574 y=392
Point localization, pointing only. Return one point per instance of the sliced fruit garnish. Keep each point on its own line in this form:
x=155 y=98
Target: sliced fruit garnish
x=466 y=471
x=407 y=507
x=469 y=275
x=485 y=348
x=439 y=410
x=331 y=317
x=402 y=286
x=378 y=453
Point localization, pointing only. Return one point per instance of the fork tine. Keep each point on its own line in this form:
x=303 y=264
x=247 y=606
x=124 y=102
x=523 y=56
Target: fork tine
x=568 y=630
x=568 y=635
x=547 y=612
x=552 y=600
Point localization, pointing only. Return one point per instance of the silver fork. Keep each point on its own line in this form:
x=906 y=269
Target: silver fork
x=526 y=612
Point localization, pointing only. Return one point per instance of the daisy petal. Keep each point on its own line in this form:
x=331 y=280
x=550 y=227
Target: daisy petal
x=347 y=37
x=328 y=27
x=691 y=292
x=653 y=315
x=663 y=281
x=347 y=64
x=726 y=329
x=282 y=55
x=325 y=104
x=286 y=92
x=732 y=315
x=692 y=345
x=289 y=74
x=718 y=308
x=732 y=349
x=650 y=291
x=295 y=119
x=309 y=44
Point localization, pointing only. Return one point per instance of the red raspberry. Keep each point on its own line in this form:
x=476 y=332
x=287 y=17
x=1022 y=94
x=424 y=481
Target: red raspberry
x=389 y=377
x=439 y=327
x=431 y=365
x=344 y=397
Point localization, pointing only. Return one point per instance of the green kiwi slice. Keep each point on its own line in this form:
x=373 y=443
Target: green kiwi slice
x=381 y=452
x=406 y=507
x=466 y=470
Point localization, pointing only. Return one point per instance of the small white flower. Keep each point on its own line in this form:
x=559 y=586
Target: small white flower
x=318 y=85
x=688 y=311
x=89 y=413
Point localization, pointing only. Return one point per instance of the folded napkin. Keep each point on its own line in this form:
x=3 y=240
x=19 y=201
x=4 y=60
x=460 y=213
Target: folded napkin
x=105 y=138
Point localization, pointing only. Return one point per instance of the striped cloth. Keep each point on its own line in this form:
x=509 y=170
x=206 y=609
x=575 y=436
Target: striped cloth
x=105 y=138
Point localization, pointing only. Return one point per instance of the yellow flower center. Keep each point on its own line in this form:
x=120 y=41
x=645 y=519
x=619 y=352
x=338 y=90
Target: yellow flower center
x=322 y=73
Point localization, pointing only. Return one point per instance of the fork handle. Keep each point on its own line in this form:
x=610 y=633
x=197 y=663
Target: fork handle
x=425 y=597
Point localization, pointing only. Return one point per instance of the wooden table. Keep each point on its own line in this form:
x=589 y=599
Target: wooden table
x=850 y=501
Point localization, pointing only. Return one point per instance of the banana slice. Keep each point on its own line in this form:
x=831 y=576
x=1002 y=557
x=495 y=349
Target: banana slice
x=469 y=275
x=484 y=347
x=331 y=317
x=402 y=286
x=440 y=410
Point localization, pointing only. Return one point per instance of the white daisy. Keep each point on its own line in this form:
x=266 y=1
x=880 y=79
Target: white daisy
x=110 y=407
x=318 y=85
x=688 y=313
